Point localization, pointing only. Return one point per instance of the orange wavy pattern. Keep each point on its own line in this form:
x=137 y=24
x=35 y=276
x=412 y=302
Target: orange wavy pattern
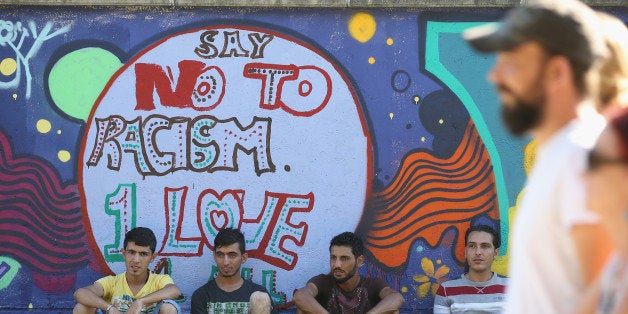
x=428 y=196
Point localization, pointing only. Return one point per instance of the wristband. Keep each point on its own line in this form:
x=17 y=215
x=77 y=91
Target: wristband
x=108 y=308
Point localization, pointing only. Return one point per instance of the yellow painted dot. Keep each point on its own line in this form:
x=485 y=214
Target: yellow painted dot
x=8 y=66
x=423 y=139
x=389 y=41
x=14 y=96
x=440 y=121
x=371 y=60
x=391 y=115
x=30 y=305
x=64 y=155
x=362 y=27
x=43 y=126
x=404 y=289
x=58 y=131
x=416 y=99
x=438 y=261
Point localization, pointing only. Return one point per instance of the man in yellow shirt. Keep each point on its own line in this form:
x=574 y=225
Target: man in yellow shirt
x=137 y=290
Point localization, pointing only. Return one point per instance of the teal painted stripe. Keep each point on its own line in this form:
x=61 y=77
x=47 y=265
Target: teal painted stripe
x=434 y=66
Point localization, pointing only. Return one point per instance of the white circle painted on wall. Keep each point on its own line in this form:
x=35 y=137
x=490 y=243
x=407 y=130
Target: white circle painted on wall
x=227 y=126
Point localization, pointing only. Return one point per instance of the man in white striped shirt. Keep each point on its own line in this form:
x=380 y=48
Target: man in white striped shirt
x=479 y=290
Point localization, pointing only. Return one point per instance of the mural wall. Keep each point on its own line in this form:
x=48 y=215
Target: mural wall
x=291 y=124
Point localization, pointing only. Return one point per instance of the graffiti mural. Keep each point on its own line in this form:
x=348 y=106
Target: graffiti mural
x=215 y=136
x=291 y=124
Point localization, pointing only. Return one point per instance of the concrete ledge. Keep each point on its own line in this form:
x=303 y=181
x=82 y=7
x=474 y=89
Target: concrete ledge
x=296 y=3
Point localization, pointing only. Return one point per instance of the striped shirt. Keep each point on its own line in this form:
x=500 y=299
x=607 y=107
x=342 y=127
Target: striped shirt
x=466 y=296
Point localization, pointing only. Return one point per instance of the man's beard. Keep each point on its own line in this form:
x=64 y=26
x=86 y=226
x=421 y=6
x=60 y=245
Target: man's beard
x=348 y=276
x=521 y=118
x=524 y=115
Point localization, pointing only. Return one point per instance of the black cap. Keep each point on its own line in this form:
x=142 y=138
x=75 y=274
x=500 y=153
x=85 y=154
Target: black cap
x=563 y=27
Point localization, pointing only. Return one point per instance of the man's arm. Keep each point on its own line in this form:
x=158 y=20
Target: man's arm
x=305 y=300
x=91 y=296
x=441 y=305
x=593 y=245
x=199 y=301
x=390 y=303
x=169 y=291
x=589 y=302
x=592 y=242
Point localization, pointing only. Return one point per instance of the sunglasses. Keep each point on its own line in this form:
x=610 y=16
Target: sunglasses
x=596 y=160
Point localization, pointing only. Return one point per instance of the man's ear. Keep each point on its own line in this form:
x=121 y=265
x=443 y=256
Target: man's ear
x=153 y=257
x=360 y=260
x=245 y=256
x=558 y=69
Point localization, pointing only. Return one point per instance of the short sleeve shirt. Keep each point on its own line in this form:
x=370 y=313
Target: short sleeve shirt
x=363 y=298
x=209 y=298
x=117 y=291
x=545 y=275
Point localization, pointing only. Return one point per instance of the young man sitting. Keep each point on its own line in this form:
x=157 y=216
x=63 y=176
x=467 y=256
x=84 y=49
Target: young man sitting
x=137 y=290
x=479 y=290
x=344 y=290
x=229 y=292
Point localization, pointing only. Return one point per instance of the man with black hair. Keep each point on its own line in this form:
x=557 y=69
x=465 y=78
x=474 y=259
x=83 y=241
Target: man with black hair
x=137 y=290
x=229 y=292
x=344 y=290
x=479 y=290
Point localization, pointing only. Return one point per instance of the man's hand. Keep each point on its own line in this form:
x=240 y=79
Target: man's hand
x=136 y=307
x=113 y=310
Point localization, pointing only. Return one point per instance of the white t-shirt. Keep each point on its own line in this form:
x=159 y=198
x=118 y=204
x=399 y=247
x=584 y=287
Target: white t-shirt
x=544 y=271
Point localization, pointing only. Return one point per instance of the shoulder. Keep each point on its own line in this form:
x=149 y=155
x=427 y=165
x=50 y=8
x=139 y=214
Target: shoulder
x=453 y=283
x=111 y=278
x=323 y=283
x=250 y=285
x=204 y=288
x=159 y=276
x=111 y=283
x=373 y=280
x=586 y=127
x=499 y=279
x=374 y=284
x=159 y=281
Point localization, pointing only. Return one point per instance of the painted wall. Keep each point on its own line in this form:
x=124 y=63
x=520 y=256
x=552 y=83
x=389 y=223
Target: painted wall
x=291 y=124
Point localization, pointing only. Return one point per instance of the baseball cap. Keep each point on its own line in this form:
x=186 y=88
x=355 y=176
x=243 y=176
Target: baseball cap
x=564 y=27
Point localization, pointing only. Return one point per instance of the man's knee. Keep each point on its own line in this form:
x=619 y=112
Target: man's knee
x=81 y=309
x=168 y=307
x=260 y=303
